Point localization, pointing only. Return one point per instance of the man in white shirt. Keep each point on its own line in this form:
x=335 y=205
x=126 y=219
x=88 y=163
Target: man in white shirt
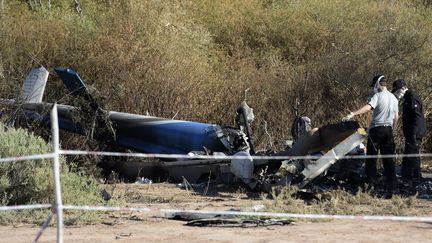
x=384 y=118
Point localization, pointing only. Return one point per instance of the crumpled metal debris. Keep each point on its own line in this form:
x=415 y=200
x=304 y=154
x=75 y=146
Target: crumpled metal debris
x=424 y=190
x=143 y=180
x=220 y=222
x=187 y=185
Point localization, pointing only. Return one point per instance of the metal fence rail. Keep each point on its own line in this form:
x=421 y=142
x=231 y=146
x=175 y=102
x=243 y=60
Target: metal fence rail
x=230 y=157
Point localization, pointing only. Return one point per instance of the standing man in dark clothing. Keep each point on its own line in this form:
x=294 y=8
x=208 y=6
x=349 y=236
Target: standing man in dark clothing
x=414 y=129
x=384 y=118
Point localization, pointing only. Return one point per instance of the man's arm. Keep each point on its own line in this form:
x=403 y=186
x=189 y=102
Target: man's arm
x=371 y=105
x=362 y=110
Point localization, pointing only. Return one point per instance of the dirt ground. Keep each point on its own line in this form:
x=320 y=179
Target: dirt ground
x=141 y=227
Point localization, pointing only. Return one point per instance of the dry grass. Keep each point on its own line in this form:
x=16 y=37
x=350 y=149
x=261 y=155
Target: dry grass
x=343 y=203
x=196 y=58
x=332 y=202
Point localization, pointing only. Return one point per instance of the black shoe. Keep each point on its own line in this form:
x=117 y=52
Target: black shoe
x=409 y=192
x=388 y=195
x=407 y=189
x=406 y=184
x=389 y=191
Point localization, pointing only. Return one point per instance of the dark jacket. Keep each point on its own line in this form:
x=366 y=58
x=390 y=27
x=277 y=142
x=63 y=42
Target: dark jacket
x=413 y=120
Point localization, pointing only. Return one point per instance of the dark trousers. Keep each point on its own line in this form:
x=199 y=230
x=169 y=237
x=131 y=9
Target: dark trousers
x=411 y=165
x=381 y=139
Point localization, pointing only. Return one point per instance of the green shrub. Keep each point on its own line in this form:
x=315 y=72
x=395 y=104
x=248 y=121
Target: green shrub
x=31 y=182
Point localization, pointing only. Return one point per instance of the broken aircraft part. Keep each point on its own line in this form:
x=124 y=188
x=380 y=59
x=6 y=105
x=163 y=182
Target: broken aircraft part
x=313 y=170
x=334 y=140
x=244 y=223
x=34 y=85
x=149 y=134
x=243 y=168
x=138 y=133
x=244 y=119
x=321 y=139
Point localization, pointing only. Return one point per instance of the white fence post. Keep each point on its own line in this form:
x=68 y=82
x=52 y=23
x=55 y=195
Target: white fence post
x=56 y=168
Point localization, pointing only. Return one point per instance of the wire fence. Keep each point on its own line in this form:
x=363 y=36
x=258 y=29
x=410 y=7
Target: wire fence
x=230 y=157
x=57 y=207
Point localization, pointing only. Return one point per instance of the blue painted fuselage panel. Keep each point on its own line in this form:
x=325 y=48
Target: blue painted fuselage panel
x=157 y=135
x=146 y=134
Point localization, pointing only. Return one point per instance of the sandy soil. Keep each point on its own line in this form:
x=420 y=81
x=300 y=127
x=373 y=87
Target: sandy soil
x=153 y=230
x=139 y=227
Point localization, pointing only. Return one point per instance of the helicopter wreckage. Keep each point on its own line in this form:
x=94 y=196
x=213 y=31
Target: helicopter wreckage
x=315 y=153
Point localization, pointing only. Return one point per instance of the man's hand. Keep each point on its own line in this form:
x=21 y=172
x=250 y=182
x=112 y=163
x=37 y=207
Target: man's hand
x=348 y=117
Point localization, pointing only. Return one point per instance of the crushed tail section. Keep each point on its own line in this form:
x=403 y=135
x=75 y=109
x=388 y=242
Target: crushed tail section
x=313 y=170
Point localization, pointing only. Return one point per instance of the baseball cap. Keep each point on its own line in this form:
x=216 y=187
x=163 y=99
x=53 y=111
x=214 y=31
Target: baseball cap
x=381 y=78
x=398 y=84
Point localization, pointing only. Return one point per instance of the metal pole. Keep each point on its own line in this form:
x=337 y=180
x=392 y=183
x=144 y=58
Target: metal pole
x=56 y=167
